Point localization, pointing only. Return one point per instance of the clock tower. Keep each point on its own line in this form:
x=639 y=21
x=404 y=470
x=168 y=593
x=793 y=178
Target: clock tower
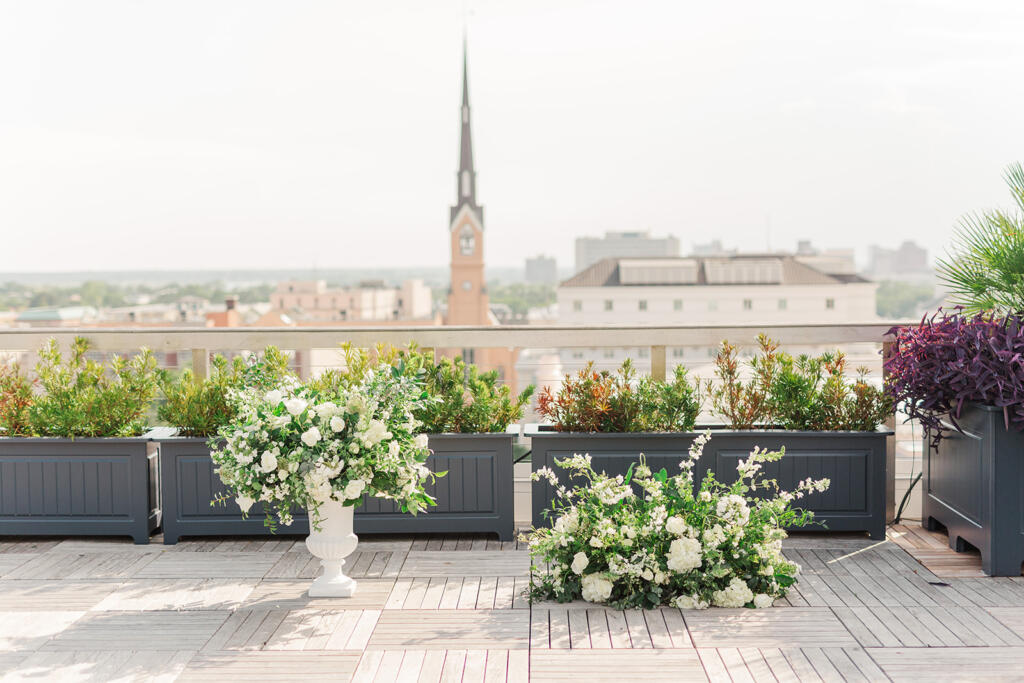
x=467 y=295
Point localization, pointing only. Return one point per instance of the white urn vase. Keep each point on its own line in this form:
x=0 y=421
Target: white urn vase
x=332 y=544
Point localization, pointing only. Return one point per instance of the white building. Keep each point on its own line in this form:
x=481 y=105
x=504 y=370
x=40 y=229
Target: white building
x=312 y=300
x=590 y=250
x=767 y=289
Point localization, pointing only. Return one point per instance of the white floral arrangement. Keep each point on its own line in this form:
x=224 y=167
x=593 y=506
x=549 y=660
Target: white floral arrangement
x=647 y=539
x=297 y=447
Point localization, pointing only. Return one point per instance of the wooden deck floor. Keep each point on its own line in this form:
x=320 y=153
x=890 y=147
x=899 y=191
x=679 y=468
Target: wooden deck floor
x=451 y=609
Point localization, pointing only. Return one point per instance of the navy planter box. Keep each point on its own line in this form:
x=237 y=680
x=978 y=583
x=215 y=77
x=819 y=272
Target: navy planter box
x=854 y=461
x=475 y=496
x=78 y=487
x=974 y=486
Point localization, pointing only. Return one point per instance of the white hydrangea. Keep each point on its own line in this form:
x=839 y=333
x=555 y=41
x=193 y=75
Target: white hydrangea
x=714 y=537
x=579 y=562
x=596 y=588
x=689 y=602
x=684 y=554
x=733 y=509
x=676 y=526
x=762 y=600
x=736 y=594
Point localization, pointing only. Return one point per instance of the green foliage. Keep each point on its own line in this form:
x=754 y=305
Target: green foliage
x=199 y=407
x=744 y=404
x=985 y=269
x=460 y=398
x=82 y=397
x=813 y=393
x=803 y=393
x=899 y=300
x=521 y=297
x=15 y=399
x=601 y=401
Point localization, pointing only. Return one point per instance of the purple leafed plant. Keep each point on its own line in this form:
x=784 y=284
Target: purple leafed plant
x=950 y=359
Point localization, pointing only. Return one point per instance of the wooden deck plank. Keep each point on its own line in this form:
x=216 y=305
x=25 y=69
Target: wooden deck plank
x=791 y=627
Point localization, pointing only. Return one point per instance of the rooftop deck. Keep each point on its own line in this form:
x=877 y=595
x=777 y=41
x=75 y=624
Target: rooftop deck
x=451 y=609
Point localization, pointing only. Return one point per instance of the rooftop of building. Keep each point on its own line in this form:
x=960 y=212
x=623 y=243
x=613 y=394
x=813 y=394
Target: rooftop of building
x=739 y=269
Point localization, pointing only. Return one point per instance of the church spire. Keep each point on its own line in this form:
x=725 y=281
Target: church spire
x=466 y=179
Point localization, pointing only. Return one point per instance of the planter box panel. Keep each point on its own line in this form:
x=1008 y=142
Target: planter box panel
x=974 y=487
x=190 y=484
x=612 y=453
x=847 y=471
x=854 y=461
x=476 y=495
x=956 y=472
x=82 y=487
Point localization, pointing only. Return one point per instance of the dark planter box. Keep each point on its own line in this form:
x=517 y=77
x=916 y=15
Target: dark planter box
x=475 y=495
x=853 y=461
x=974 y=486
x=78 y=487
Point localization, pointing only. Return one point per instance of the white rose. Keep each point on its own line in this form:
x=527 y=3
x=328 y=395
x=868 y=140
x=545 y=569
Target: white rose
x=579 y=562
x=274 y=397
x=311 y=436
x=762 y=600
x=326 y=409
x=337 y=424
x=295 y=406
x=420 y=441
x=354 y=488
x=244 y=502
x=268 y=462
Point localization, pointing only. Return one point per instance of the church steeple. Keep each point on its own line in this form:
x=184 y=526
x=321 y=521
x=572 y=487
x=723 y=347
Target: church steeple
x=465 y=185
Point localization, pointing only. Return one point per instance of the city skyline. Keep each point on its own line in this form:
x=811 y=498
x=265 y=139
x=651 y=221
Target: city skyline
x=236 y=136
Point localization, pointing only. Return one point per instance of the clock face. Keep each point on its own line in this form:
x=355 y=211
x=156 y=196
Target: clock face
x=467 y=242
x=467 y=285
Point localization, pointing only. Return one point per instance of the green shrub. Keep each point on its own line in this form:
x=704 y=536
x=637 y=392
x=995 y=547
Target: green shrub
x=461 y=398
x=82 y=397
x=744 y=404
x=15 y=399
x=199 y=407
x=601 y=401
x=807 y=393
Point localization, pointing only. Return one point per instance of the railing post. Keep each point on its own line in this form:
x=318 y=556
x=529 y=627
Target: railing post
x=890 y=445
x=200 y=363
x=658 y=363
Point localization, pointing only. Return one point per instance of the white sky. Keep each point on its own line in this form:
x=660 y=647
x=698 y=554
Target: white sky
x=245 y=133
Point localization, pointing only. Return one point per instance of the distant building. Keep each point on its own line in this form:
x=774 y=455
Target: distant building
x=541 y=270
x=590 y=250
x=313 y=301
x=767 y=289
x=712 y=248
x=67 y=316
x=830 y=261
x=907 y=262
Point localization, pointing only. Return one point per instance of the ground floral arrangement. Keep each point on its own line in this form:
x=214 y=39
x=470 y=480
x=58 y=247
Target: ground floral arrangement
x=298 y=447
x=648 y=539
